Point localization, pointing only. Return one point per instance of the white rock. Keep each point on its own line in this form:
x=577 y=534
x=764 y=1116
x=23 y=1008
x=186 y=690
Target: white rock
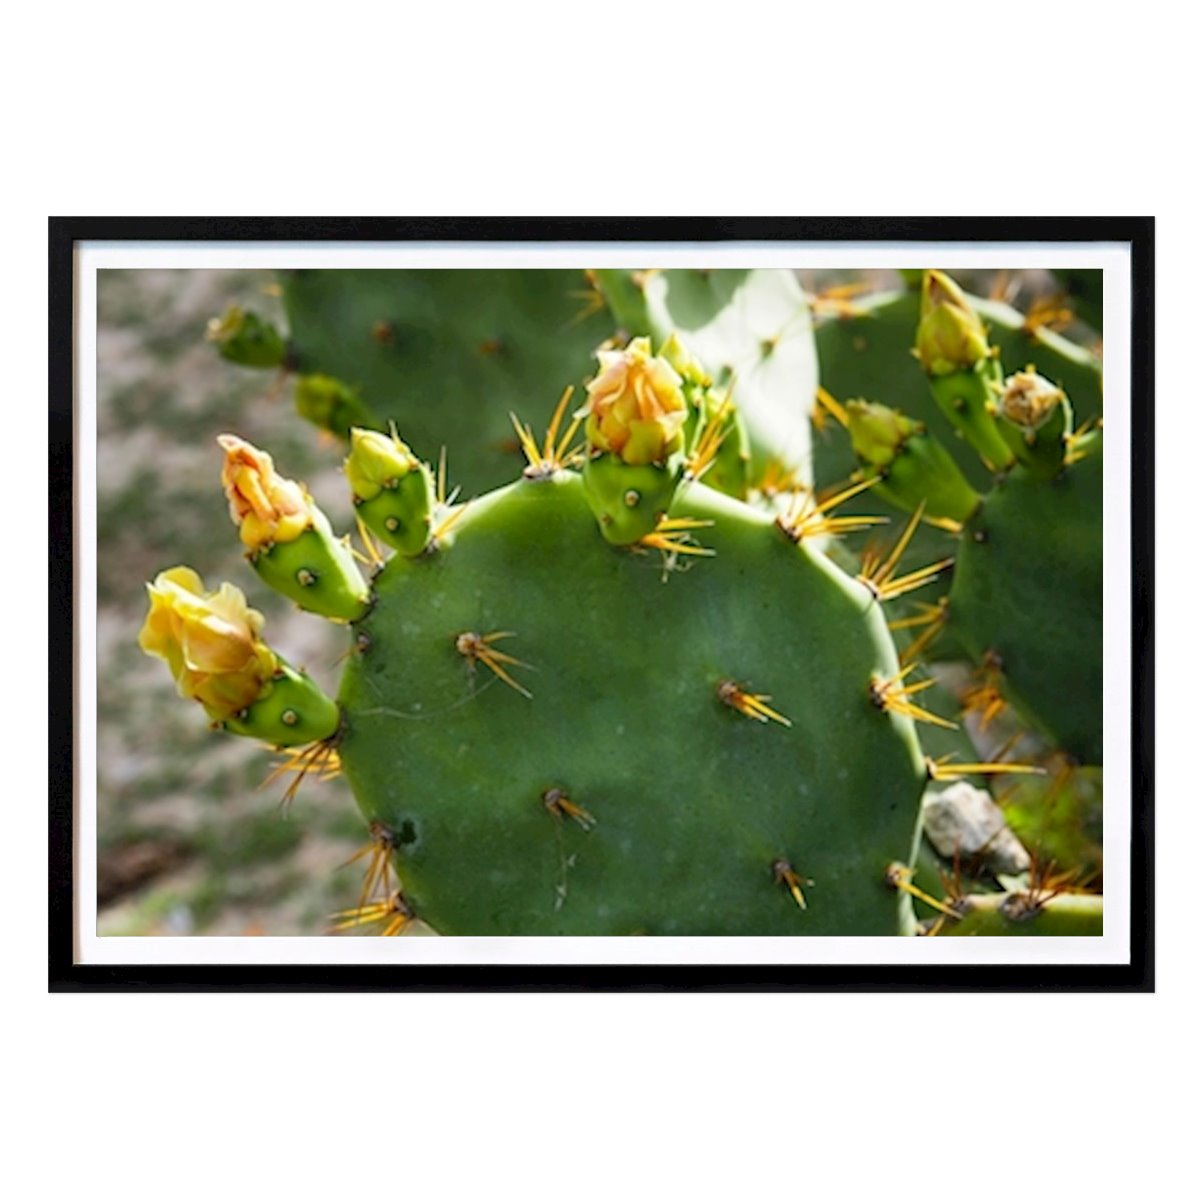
x=967 y=819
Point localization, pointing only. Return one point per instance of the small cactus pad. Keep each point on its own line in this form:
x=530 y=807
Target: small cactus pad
x=661 y=750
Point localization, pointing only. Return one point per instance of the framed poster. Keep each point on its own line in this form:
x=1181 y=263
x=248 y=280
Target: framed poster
x=682 y=604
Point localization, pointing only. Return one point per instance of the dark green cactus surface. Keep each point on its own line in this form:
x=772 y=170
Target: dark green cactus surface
x=447 y=355
x=1028 y=595
x=693 y=802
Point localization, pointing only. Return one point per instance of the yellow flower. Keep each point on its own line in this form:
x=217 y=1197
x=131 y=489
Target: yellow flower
x=266 y=507
x=636 y=407
x=210 y=641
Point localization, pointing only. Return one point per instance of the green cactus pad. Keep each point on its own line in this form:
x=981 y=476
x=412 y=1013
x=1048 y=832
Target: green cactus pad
x=627 y=501
x=316 y=570
x=691 y=804
x=1028 y=596
x=752 y=327
x=1085 y=291
x=447 y=355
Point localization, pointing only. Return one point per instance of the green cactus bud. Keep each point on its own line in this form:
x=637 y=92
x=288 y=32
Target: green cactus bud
x=1035 y=421
x=330 y=404
x=914 y=468
x=950 y=336
x=243 y=337
x=628 y=501
x=288 y=539
x=877 y=432
x=291 y=711
x=684 y=362
x=964 y=372
x=393 y=490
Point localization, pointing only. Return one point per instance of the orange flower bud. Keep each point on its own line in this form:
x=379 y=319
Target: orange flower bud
x=266 y=507
x=636 y=408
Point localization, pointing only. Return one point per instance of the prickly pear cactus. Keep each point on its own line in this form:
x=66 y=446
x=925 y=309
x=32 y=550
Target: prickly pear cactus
x=611 y=696
x=1022 y=525
x=448 y=356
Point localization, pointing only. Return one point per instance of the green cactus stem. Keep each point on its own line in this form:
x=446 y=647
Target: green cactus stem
x=316 y=570
x=964 y=374
x=1022 y=914
x=912 y=466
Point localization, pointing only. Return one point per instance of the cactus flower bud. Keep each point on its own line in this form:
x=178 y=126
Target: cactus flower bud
x=950 y=336
x=912 y=468
x=264 y=506
x=212 y=643
x=1035 y=420
x=1029 y=399
x=209 y=640
x=877 y=432
x=288 y=539
x=636 y=408
x=376 y=462
x=393 y=490
x=244 y=338
x=684 y=362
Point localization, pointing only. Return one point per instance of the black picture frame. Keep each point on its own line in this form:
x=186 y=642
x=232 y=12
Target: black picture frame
x=66 y=974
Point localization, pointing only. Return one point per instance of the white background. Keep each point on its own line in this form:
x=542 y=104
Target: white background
x=755 y=108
